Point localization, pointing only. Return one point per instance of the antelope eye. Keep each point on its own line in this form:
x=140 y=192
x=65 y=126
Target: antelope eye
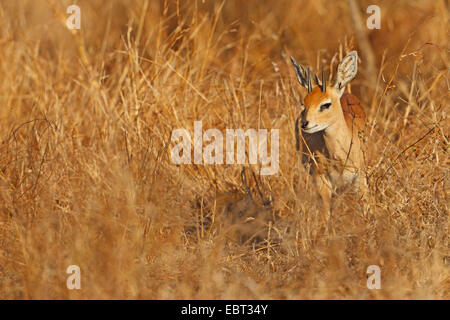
x=325 y=106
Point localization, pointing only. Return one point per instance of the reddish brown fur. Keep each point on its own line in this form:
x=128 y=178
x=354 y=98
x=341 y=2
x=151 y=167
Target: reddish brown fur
x=353 y=112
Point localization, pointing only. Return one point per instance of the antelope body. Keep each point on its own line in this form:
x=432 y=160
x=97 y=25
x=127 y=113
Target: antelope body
x=332 y=122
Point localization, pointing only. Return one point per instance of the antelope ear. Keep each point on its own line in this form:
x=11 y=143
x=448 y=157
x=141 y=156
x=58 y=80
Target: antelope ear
x=346 y=71
x=301 y=73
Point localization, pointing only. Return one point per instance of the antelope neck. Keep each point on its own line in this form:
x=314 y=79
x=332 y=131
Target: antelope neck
x=338 y=138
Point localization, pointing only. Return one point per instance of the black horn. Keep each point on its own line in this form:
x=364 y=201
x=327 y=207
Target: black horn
x=324 y=82
x=309 y=81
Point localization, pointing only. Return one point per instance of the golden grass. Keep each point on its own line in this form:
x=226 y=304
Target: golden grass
x=86 y=176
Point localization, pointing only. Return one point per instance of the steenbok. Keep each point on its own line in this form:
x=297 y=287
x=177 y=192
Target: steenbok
x=332 y=122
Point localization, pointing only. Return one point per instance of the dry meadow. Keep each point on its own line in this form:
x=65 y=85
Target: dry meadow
x=86 y=176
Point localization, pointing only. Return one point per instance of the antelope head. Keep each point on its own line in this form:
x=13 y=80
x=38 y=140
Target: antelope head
x=322 y=106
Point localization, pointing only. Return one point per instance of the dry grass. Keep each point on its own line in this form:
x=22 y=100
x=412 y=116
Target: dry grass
x=86 y=176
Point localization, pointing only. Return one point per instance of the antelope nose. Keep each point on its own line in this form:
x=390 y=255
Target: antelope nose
x=304 y=124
